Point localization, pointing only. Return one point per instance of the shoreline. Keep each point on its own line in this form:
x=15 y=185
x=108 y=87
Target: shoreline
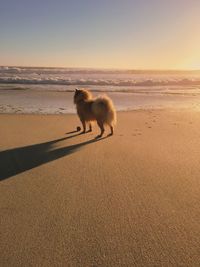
x=53 y=102
x=159 y=109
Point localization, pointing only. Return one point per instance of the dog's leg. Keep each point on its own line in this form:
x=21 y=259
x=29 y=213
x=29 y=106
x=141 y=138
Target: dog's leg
x=100 y=124
x=84 y=126
x=90 y=127
x=111 y=130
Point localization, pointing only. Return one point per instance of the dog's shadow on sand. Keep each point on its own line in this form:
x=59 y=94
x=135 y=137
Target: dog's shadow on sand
x=17 y=160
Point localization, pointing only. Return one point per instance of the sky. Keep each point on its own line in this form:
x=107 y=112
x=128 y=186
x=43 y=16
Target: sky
x=121 y=34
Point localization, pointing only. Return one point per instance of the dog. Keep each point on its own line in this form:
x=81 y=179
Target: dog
x=100 y=109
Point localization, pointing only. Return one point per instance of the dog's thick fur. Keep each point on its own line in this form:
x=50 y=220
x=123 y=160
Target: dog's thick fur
x=100 y=109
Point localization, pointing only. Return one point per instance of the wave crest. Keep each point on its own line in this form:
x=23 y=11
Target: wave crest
x=98 y=82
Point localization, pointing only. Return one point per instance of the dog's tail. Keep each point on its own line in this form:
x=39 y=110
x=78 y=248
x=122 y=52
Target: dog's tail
x=104 y=110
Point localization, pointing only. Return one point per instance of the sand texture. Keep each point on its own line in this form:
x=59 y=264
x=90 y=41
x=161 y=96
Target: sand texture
x=128 y=200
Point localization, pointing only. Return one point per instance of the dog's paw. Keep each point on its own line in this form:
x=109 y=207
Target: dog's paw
x=98 y=136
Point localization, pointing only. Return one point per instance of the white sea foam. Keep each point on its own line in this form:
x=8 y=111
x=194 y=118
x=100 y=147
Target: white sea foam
x=99 y=82
x=82 y=77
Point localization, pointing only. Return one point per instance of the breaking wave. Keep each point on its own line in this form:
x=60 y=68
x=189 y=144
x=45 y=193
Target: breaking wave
x=99 y=82
x=97 y=77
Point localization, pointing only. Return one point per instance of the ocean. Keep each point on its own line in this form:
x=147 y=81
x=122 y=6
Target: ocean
x=50 y=90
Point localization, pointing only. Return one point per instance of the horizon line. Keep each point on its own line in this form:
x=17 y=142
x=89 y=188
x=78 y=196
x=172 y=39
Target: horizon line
x=104 y=68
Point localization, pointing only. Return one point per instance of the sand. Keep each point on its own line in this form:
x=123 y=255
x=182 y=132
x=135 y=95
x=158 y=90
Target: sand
x=128 y=200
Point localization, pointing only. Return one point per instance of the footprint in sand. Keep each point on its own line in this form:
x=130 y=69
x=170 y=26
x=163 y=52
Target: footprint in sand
x=136 y=134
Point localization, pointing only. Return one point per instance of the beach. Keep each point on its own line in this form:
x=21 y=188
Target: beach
x=126 y=196
x=131 y=199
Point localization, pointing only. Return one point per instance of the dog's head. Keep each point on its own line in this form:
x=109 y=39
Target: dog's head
x=81 y=95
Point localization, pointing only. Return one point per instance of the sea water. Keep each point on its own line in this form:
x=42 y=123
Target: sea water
x=50 y=90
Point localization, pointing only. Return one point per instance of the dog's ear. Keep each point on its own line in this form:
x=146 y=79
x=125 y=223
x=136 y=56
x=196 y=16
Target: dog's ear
x=76 y=90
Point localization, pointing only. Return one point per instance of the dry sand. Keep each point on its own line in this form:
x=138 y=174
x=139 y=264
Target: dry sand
x=128 y=200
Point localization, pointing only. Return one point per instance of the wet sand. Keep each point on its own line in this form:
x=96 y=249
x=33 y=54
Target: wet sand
x=127 y=200
x=17 y=100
